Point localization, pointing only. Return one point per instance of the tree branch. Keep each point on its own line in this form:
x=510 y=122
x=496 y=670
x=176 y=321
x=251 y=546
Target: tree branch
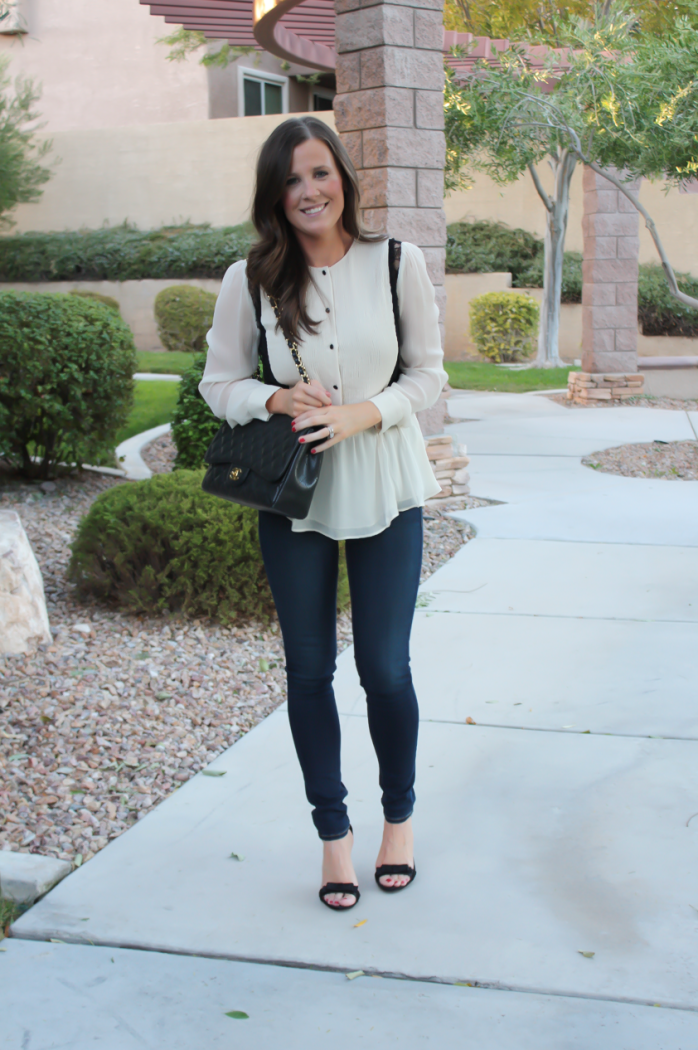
x=539 y=186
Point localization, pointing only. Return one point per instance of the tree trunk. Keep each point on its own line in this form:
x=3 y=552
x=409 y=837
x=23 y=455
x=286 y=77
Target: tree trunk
x=557 y=215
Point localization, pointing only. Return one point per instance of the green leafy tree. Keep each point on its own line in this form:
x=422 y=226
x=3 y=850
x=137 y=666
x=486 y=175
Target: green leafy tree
x=21 y=173
x=626 y=101
x=184 y=42
x=544 y=21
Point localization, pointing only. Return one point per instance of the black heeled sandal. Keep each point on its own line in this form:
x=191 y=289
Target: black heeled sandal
x=395 y=869
x=340 y=887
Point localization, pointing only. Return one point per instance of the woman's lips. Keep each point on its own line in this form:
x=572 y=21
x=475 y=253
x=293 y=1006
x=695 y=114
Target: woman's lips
x=316 y=209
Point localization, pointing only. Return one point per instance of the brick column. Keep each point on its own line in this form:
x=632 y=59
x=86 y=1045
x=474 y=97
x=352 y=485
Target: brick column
x=609 y=294
x=389 y=113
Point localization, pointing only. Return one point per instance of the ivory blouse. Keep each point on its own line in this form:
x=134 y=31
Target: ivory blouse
x=368 y=479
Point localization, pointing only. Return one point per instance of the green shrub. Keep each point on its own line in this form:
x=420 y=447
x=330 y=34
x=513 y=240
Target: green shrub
x=502 y=324
x=66 y=385
x=184 y=314
x=532 y=277
x=490 y=247
x=123 y=253
x=163 y=545
x=659 y=312
x=193 y=423
x=97 y=297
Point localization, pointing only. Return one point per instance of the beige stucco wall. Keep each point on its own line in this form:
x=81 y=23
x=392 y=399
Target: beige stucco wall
x=135 y=298
x=152 y=175
x=675 y=214
x=101 y=66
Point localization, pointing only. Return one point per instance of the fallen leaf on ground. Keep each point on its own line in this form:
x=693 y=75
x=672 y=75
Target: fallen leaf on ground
x=355 y=973
x=236 y=856
x=213 y=772
x=362 y=923
x=239 y=1015
x=470 y=721
x=588 y=955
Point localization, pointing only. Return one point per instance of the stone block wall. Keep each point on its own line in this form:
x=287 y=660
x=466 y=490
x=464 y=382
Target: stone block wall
x=389 y=113
x=610 y=269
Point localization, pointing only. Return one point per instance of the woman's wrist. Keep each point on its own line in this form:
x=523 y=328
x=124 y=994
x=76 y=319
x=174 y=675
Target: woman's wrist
x=277 y=403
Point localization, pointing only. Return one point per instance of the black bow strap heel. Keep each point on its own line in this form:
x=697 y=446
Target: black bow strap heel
x=339 y=887
x=395 y=869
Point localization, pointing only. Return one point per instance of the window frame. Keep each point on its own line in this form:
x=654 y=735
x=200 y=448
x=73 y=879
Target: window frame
x=321 y=92
x=244 y=73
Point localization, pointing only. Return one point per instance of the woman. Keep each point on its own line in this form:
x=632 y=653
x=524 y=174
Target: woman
x=331 y=284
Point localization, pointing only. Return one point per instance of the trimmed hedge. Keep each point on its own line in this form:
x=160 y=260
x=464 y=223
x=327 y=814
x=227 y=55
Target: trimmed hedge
x=502 y=325
x=193 y=424
x=491 y=247
x=66 y=386
x=97 y=297
x=184 y=314
x=658 y=311
x=164 y=545
x=123 y=253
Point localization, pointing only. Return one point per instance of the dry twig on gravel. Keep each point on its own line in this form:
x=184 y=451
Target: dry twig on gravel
x=642 y=401
x=673 y=460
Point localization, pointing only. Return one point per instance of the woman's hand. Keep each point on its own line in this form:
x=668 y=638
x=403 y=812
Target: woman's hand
x=299 y=398
x=345 y=421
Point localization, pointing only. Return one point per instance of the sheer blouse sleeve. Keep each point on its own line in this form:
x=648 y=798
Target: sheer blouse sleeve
x=227 y=386
x=423 y=376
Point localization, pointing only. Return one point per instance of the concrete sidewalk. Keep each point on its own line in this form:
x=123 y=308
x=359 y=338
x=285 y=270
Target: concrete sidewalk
x=559 y=824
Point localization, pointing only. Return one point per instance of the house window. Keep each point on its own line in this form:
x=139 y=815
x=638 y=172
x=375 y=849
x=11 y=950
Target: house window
x=322 y=99
x=260 y=94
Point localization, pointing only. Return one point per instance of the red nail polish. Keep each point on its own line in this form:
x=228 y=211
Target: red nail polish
x=293 y=429
x=302 y=440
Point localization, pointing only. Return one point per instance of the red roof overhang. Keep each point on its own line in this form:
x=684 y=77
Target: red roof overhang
x=302 y=31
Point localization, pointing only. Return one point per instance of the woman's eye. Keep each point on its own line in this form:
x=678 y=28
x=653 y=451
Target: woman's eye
x=321 y=174
x=291 y=180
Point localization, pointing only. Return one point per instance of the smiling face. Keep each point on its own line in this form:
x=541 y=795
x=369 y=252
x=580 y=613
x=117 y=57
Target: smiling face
x=313 y=201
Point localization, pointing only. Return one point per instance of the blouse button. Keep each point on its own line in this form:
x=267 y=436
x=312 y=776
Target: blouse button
x=335 y=387
x=327 y=309
x=324 y=273
x=331 y=346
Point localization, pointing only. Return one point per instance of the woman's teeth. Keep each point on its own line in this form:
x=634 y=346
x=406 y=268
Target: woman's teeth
x=313 y=211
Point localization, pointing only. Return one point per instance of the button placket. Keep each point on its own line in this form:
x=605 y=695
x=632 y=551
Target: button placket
x=332 y=339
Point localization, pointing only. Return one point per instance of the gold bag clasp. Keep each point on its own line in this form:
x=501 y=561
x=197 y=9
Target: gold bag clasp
x=235 y=473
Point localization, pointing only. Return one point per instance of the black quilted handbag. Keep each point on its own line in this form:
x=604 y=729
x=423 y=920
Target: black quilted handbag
x=262 y=464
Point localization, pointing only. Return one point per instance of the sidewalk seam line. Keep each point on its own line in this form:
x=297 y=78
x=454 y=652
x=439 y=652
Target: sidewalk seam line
x=389 y=974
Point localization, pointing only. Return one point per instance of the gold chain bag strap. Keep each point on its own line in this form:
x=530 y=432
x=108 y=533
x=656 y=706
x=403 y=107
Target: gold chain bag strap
x=262 y=464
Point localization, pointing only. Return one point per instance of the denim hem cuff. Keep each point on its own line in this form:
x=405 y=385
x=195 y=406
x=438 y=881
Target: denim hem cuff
x=333 y=838
x=398 y=820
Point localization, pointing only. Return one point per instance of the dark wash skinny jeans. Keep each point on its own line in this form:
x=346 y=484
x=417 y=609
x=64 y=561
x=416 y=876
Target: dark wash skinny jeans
x=383 y=579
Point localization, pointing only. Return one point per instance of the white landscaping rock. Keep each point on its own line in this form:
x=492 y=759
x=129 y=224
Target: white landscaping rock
x=23 y=617
x=26 y=876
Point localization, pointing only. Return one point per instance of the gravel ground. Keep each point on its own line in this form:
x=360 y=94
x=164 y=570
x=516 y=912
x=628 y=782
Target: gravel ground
x=160 y=454
x=643 y=400
x=100 y=726
x=673 y=460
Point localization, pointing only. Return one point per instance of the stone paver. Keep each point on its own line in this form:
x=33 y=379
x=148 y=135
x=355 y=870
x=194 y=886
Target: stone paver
x=533 y=846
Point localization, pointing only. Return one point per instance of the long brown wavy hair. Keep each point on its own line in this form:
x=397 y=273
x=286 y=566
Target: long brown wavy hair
x=276 y=262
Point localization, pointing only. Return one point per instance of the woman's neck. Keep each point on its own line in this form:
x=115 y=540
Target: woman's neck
x=325 y=250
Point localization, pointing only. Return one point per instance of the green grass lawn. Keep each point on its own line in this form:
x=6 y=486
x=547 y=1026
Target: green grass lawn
x=174 y=362
x=153 y=404
x=482 y=375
